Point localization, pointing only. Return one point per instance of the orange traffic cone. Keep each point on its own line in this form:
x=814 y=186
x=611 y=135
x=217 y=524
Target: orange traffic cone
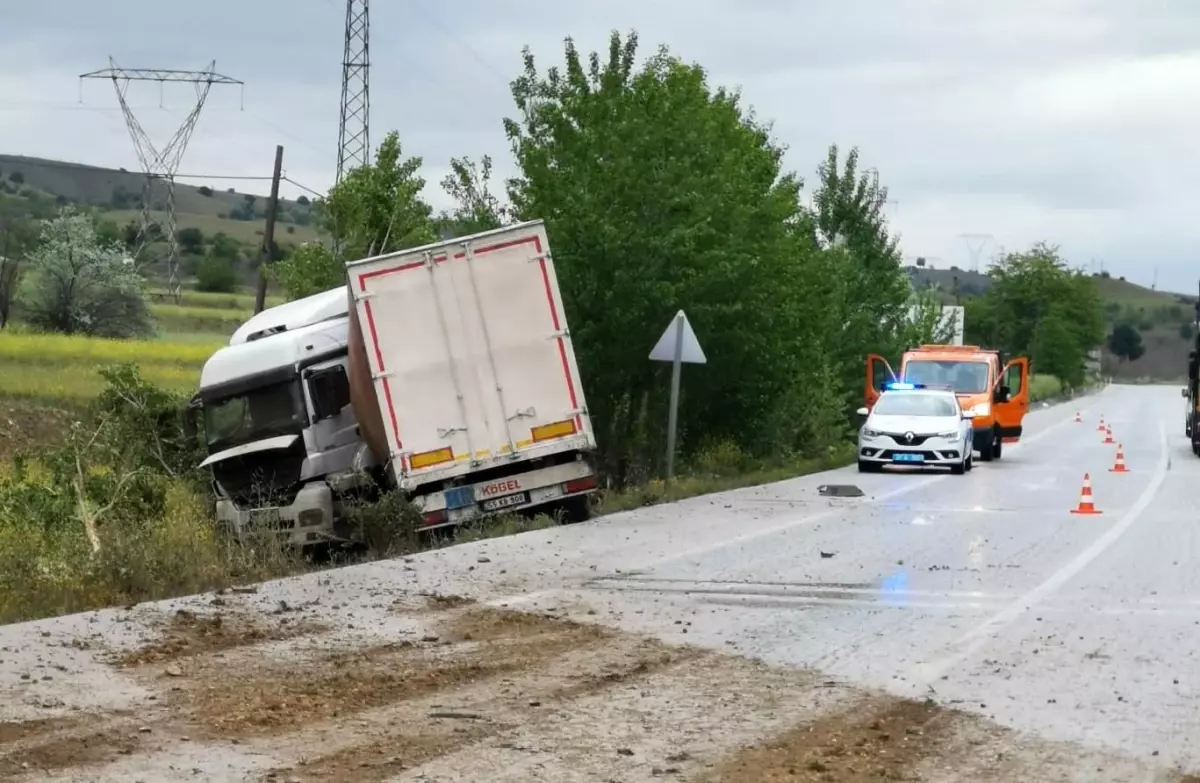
x=1086 y=506
x=1108 y=438
x=1100 y=426
x=1078 y=420
x=1119 y=467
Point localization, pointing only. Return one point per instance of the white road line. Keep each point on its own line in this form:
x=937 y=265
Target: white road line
x=981 y=635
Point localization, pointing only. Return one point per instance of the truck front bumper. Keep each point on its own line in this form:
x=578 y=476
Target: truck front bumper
x=307 y=520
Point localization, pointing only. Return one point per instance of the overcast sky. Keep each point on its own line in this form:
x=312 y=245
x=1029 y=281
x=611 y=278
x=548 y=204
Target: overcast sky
x=1071 y=121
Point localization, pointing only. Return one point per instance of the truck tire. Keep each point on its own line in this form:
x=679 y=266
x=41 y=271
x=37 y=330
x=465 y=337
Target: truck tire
x=575 y=509
x=986 y=453
x=997 y=446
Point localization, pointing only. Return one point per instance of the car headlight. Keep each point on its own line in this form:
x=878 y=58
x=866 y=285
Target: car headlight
x=870 y=433
x=949 y=435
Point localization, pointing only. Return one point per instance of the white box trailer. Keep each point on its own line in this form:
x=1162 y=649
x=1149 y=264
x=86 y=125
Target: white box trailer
x=476 y=385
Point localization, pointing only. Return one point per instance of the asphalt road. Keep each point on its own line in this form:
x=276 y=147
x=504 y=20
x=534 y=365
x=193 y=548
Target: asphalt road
x=979 y=591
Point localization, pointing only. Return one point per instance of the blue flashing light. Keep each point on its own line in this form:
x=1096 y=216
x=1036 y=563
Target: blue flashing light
x=902 y=386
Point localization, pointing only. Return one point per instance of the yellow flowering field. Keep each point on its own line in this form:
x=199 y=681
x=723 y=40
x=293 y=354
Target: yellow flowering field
x=56 y=367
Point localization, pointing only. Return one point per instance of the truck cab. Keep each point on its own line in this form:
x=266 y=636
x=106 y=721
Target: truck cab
x=278 y=424
x=996 y=393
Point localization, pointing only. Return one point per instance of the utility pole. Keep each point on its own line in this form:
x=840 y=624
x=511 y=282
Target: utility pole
x=268 y=245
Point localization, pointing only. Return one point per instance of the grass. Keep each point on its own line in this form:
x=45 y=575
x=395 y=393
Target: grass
x=249 y=231
x=60 y=368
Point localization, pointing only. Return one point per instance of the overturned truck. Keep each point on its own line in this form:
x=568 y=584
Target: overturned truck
x=446 y=372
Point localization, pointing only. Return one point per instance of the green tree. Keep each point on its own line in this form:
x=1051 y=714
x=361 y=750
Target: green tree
x=310 y=269
x=476 y=208
x=849 y=213
x=1025 y=288
x=1056 y=350
x=191 y=240
x=216 y=274
x=77 y=285
x=378 y=208
x=374 y=209
x=662 y=193
x=1126 y=343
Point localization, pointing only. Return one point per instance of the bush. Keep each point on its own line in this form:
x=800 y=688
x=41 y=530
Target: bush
x=215 y=275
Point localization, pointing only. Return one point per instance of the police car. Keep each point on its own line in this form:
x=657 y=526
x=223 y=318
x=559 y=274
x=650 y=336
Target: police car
x=918 y=425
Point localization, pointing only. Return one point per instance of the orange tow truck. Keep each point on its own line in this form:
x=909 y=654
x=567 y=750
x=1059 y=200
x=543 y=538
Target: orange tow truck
x=997 y=392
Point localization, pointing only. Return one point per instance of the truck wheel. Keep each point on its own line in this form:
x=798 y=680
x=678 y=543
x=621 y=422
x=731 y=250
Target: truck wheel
x=998 y=446
x=987 y=452
x=576 y=509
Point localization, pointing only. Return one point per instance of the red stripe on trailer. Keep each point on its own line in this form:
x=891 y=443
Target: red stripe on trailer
x=387 y=387
x=562 y=347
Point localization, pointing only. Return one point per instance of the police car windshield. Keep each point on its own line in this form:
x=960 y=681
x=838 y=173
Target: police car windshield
x=909 y=404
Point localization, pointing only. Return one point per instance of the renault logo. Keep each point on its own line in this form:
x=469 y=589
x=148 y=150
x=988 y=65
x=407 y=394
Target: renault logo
x=908 y=437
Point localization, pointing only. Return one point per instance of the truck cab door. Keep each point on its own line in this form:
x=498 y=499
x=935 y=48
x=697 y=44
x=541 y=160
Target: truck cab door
x=1011 y=401
x=879 y=372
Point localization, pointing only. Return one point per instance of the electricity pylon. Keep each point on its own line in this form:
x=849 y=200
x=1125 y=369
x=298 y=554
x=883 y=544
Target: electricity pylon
x=160 y=163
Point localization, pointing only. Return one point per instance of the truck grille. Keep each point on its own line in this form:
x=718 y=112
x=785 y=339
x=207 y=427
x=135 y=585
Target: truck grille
x=266 y=478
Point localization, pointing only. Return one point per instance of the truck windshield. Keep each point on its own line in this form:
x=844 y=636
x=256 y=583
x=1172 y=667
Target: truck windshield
x=259 y=413
x=965 y=377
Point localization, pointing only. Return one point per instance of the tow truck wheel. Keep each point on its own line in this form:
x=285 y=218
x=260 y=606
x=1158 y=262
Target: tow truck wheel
x=987 y=452
x=997 y=447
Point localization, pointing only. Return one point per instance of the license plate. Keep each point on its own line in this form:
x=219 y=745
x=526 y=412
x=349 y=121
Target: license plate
x=495 y=504
x=908 y=457
x=459 y=497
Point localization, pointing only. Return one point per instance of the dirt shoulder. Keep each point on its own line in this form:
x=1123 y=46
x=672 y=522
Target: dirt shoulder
x=444 y=689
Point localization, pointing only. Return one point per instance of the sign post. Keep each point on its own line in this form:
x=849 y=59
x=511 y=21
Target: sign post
x=677 y=345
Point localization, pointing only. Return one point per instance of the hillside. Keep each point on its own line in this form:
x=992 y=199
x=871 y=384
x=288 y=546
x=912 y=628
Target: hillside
x=1163 y=317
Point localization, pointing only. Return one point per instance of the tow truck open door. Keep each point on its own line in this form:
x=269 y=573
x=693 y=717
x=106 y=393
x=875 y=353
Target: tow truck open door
x=1012 y=399
x=879 y=372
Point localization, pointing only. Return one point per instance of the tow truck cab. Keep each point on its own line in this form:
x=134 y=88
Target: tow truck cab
x=997 y=394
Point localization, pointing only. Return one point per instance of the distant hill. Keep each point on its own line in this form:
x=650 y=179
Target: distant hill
x=119 y=192
x=1164 y=318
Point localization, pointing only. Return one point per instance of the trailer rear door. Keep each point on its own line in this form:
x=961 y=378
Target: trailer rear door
x=470 y=354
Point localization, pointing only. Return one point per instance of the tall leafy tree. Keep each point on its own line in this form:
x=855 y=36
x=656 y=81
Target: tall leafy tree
x=1056 y=350
x=79 y=285
x=375 y=209
x=1026 y=288
x=848 y=214
x=476 y=208
x=662 y=193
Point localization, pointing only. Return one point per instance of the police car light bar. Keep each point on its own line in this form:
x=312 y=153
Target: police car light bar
x=902 y=386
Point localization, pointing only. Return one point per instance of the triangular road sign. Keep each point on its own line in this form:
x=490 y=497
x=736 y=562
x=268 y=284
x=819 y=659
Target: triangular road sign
x=690 y=351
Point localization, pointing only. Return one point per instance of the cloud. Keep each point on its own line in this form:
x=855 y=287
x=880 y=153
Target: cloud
x=1069 y=121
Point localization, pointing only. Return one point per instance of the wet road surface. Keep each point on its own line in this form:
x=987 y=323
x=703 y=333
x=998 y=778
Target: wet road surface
x=980 y=591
